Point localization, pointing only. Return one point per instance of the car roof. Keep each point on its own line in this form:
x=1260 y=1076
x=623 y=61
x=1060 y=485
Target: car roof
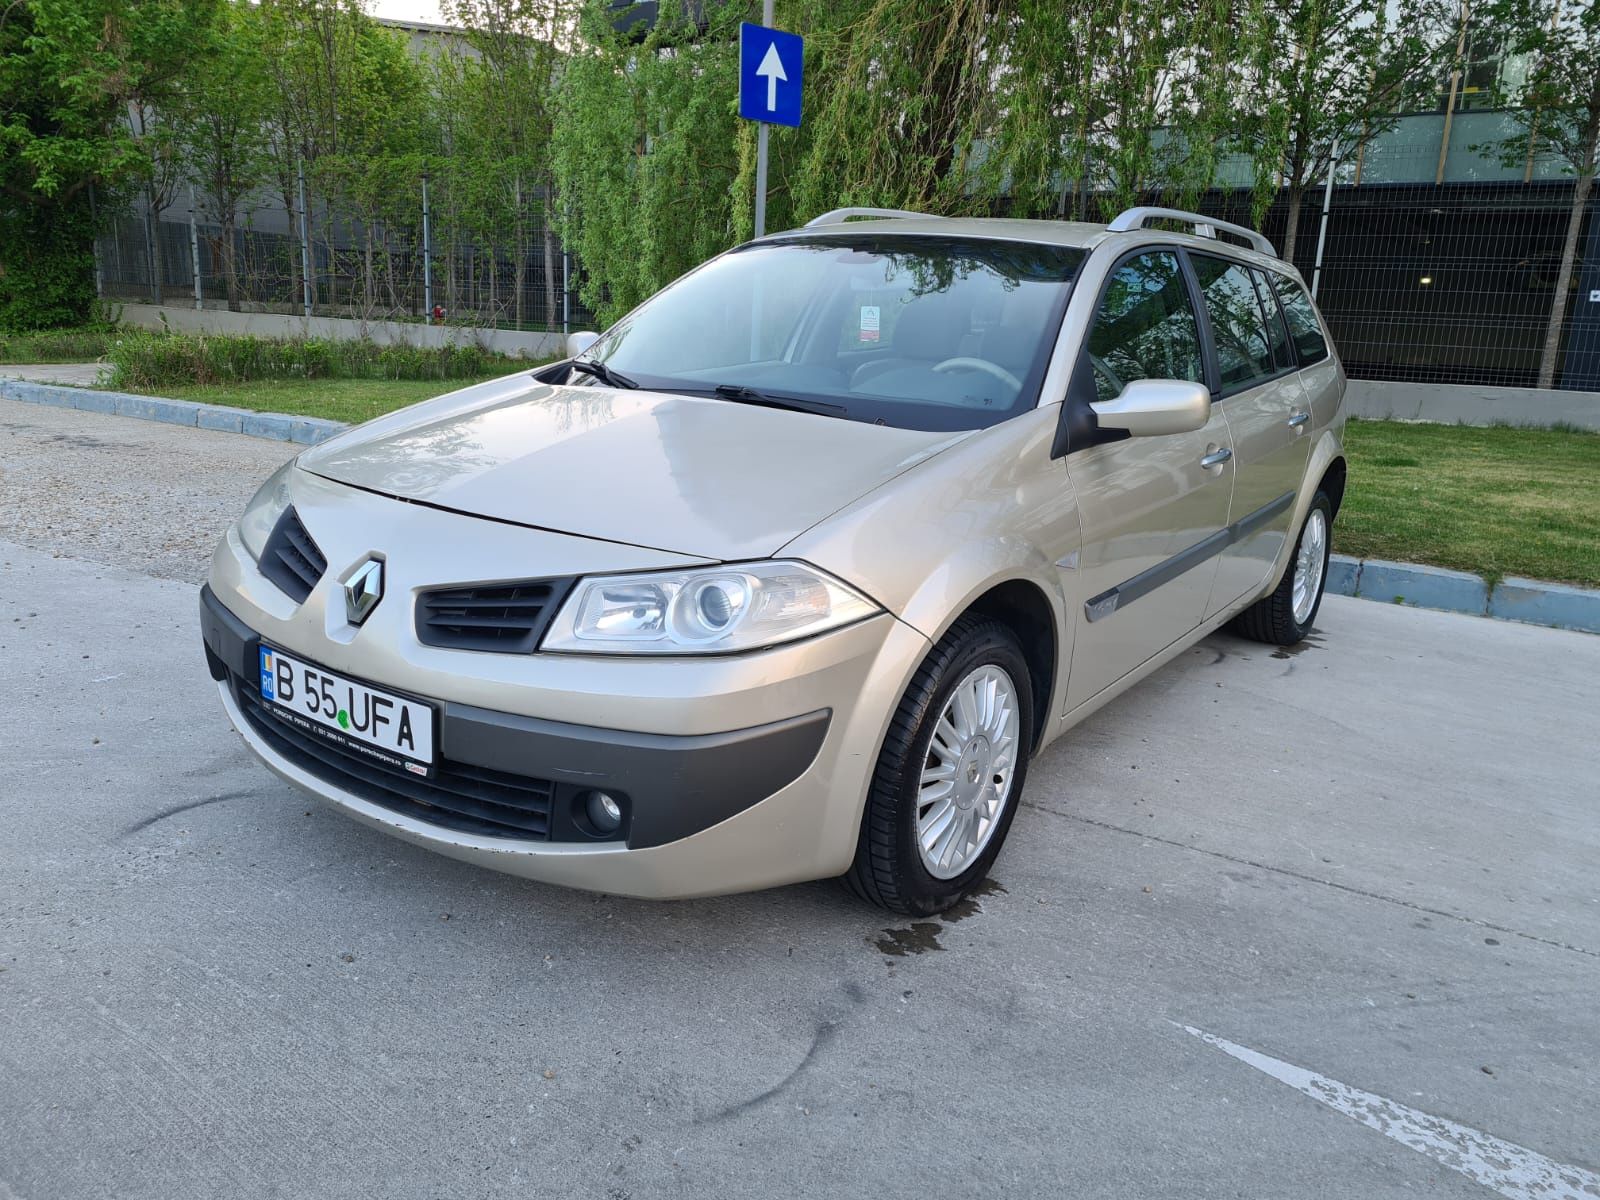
x=1084 y=235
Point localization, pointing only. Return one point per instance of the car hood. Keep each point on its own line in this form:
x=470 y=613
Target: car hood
x=702 y=477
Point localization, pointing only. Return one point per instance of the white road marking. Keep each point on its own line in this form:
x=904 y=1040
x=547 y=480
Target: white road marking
x=1512 y=1170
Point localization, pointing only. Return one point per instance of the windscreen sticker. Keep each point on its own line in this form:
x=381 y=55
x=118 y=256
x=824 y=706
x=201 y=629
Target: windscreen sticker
x=869 y=322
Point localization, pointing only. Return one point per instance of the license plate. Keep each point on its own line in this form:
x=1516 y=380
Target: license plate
x=391 y=729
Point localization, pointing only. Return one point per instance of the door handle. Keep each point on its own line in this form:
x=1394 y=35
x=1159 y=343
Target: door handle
x=1216 y=458
x=1299 y=419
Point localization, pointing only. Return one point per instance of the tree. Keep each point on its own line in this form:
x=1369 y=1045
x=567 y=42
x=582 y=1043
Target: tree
x=904 y=95
x=1558 y=112
x=306 y=44
x=69 y=70
x=1316 y=76
x=373 y=170
x=1104 y=96
x=500 y=166
x=161 y=175
x=219 y=118
x=646 y=151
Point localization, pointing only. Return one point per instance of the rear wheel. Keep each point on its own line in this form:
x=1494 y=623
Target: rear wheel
x=948 y=778
x=1285 y=616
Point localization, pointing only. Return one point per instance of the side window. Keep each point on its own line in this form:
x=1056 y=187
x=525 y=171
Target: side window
x=1302 y=318
x=1244 y=354
x=1146 y=327
x=1277 y=331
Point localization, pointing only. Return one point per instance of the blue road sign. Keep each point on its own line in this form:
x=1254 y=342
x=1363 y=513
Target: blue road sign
x=769 y=75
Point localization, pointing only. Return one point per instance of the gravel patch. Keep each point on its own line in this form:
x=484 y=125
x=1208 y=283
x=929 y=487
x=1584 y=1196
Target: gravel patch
x=103 y=488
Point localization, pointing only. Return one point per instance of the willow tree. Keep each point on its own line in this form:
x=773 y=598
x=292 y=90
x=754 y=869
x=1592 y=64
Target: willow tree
x=656 y=172
x=645 y=150
x=904 y=88
x=1319 y=75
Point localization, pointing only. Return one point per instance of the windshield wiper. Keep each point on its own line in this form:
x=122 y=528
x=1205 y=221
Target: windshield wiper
x=749 y=395
x=603 y=373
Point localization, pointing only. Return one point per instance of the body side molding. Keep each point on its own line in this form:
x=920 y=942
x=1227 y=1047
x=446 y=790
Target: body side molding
x=1125 y=593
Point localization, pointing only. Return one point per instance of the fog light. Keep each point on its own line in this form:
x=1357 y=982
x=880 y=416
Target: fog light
x=604 y=813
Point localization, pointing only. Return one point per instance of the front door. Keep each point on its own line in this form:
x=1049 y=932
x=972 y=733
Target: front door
x=1262 y=398
x=1152 y=508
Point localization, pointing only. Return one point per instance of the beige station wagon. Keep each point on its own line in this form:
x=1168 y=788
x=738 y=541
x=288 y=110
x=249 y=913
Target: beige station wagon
x=791 y=572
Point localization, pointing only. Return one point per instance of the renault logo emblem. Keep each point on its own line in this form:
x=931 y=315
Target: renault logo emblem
x=362 y=590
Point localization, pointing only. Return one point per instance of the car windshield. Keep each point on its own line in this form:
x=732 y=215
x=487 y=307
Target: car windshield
x=919 y=332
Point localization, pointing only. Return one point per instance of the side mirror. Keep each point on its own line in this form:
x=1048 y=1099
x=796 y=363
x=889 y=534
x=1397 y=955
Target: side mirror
x=577 y=343
x=1154 y=407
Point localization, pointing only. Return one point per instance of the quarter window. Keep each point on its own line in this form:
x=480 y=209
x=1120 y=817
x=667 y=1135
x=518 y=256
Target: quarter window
x=1146 y=327
x=1303 y=325
x=1244 y=353
x=1277 y=331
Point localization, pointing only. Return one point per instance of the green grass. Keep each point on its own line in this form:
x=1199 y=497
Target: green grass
x=83 y=344
x=1496 y=501
x=352 y=400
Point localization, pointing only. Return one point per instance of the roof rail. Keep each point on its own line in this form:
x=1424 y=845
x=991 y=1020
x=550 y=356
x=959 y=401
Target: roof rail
x=1136 y=218
x=839 y=216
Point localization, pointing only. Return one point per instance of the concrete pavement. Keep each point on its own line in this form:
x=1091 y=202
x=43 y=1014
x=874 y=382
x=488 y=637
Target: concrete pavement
x=1371 y=857
x=69 y=374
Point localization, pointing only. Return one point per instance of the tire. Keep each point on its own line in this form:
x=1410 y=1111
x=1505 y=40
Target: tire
x=1272 y=618
x=891 y=867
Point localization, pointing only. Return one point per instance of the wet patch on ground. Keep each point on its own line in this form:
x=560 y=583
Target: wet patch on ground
x=1310 y=641
x=922 y=936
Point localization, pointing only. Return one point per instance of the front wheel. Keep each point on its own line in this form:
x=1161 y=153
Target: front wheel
x=1284 y=616
x=947 y=781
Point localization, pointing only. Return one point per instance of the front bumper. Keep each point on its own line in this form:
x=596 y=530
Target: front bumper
x=741 y=772
x=527 y=776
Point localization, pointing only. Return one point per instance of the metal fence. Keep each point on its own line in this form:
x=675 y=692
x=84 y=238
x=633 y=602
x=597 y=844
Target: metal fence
x=1450 y=283
x=367 y=272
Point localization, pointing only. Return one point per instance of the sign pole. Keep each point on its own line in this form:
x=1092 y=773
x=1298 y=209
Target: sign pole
x=761 y=148
x=761 y=180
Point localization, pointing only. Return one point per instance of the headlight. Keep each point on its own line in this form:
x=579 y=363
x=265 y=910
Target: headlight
x=719 y=610
x=263 y=511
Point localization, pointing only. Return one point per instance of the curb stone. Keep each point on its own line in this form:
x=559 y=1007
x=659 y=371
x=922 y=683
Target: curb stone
x=1531 y=601
x=281 y=427
x=1540 y=603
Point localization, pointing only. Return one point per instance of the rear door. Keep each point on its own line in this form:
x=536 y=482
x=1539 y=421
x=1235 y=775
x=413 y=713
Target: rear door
x=1152 y=508
x=1263 y=402
x=1320 y=376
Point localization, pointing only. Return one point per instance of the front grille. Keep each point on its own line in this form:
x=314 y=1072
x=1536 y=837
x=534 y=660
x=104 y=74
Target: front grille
x=459 y=796
x=291 y=559
x=508 y=618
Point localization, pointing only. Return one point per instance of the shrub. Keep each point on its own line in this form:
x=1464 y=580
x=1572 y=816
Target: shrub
x=143 y=360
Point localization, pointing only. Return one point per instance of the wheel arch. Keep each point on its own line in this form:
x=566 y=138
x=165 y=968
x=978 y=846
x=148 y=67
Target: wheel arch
x=1021 y=606
x=1333 y=481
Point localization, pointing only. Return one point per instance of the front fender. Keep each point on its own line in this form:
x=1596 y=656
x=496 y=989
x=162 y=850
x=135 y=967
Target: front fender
x=994 y=509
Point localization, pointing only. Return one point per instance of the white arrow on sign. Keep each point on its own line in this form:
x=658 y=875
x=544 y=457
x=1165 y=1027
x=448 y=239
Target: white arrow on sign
x=772 y=67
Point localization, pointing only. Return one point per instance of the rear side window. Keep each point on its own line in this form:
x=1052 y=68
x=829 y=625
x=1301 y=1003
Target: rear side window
x=1146 y=326
x=1277 y=331
x=1244 y=352
x=1302 y=318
